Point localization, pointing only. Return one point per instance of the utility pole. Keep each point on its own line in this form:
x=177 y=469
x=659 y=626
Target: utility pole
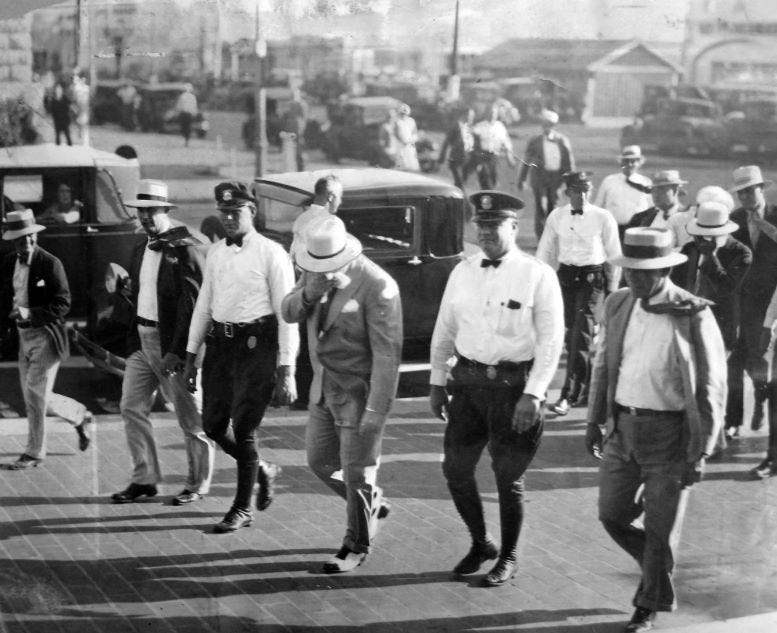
x=77 y=35
x=260 y=107
x=454 y=82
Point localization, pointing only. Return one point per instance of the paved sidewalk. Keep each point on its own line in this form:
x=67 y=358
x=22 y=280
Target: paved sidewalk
x=70 y=560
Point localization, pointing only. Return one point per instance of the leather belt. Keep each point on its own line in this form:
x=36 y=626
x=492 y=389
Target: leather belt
x=230 y=330
x=589 y=268
x=491 y=370
x=651 y=413
x=146 y=322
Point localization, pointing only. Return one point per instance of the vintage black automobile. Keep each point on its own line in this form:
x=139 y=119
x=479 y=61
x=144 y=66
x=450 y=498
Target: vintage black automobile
x=410 y=224
x=105 y=232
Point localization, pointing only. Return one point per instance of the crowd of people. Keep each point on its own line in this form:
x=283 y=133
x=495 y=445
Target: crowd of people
x=645 y=296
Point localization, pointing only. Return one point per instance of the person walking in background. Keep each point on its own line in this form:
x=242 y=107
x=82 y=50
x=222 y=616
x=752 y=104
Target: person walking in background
x=628 y=192
x=548 y=157
x=458 y=145
x=81 y=98
x=659 y=386
x=387 y=141
x=491 y=140
x=249 y=356
x=165 y=274
x=35 y=298
x=577 y=241
x=406 y=133
x=502 y=318
x=60 y=108
x=186 y=106
x=757 y=229
x=354 y=318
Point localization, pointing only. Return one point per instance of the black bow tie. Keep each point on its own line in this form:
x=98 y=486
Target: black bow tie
x=155 y=245
x=237 y=240
x=577 y=212
x=485 y=263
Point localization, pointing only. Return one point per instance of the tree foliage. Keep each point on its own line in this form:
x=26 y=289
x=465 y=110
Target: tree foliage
x=16 y=126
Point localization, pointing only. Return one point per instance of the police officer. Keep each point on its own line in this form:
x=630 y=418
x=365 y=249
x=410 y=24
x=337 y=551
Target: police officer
x=502 y=319
x=249 y=349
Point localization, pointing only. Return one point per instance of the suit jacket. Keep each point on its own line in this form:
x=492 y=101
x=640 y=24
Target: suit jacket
x=760 y=281
x=643 y=218
x=699 y=347
x=720 y=278
x=359 y=345
x=48 y=294
x=178 y=284
x=453 y=146
x=538 y=177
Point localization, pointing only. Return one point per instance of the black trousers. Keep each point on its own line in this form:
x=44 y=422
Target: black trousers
x=238 y=378
x=480 y=417
x=460 y=171
x=60 y=129
x=485 y=165
x=185 y=119
x=582 y=289
x=545 y=200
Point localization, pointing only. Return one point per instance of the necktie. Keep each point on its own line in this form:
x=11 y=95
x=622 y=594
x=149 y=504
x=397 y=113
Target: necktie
x=237 y=240
x=155 y=244
x=324 y=312
x=485 y=263
x=639 y=187
x=577 y=212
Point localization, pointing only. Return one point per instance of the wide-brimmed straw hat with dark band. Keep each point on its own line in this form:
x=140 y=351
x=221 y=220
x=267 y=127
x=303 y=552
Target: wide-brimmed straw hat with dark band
x=328 y=246
x=151 y=193
x=20 y=223
x=648 y=248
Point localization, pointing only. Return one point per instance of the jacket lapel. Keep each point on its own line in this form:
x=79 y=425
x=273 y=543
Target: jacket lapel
x=341 y=297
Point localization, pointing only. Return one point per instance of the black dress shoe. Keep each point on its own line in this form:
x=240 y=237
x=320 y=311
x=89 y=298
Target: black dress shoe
x=764 y=470
x=265 y=477
x=500 y=573
x=642 y=620
x=757 y=421
x=477 y=555
x=187 y=496
x=24 y=462
x=134 y=491
x=84 y=431
x=233 y=521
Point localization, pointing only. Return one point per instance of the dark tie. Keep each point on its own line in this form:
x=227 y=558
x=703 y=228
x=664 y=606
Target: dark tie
x=324 y=312
x=485 y=263
x=577 y=212
x=155 y=244
x=238 y=240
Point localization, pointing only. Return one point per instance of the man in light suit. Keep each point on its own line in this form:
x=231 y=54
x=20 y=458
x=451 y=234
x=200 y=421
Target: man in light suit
x=659 y=386
x=354 y=318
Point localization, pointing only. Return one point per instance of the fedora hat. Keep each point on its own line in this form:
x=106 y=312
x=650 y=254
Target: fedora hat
x=748 y=176
x=667 y=177
x=713 y=193
x=711 y=219
x=648 y=248
x=19 y=223
x=630 y=152
x=548 y=116
x=328 y=246
x=151 y=193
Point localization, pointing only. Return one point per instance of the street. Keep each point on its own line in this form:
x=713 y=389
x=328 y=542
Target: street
x=70 y=560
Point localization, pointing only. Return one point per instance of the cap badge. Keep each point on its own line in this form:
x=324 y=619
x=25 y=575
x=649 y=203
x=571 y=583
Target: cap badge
x=226 y=196
x=486 y=203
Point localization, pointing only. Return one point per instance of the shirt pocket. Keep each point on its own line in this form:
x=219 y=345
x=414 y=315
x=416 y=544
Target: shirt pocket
x=515 y=313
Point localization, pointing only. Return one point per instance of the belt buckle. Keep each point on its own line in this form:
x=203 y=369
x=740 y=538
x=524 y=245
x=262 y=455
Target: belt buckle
x=228 y=331
x=632 y=411
x=491 y=372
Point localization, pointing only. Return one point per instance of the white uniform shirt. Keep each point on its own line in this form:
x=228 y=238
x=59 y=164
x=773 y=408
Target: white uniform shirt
x=621 y=199
x=147 y=291
x=243 y=284
x=493 y=137
x=510 y=313
x=302 y=224
x=649 y=376
x=579 y=240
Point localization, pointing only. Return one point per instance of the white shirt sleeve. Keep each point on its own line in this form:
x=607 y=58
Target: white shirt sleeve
x=549 y=333
x=547 y=249
x=770 y=319
x=601 y=193
x=281 y=282
x=201 y=316
x=443 y=339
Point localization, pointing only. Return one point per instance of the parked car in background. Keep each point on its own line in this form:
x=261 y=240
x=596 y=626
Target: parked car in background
x=681 y=127
x=106 y=230
x=106 y=103
x=753 y=129
x=157 y=111
x=732 y=96
x=410 y=224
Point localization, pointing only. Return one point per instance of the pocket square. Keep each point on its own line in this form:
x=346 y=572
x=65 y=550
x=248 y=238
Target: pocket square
x=352 y=305
x=41 y=283
x=513 y=305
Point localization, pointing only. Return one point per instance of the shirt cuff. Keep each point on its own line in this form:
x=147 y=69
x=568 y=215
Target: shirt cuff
x=534 y=388
x=438 y=377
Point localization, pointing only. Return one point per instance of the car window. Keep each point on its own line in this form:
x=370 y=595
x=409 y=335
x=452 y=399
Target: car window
x=39 y=191
x=276 y=216
x=381 y=228
x=23 y=188
x=109 y=207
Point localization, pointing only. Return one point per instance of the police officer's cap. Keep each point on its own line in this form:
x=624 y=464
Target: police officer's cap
x=580 y=180
x=230 y=195
x=495 y=206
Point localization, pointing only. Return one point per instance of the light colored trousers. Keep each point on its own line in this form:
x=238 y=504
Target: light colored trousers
x=38 y=366
x=333 y=442
x=142 y=376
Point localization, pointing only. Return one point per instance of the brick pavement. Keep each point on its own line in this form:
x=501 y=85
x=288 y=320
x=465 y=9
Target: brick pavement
x=71 y=561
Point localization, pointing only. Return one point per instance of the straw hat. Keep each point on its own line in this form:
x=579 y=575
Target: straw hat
x=711 y=219
x=20 y=223
x=648 y=248
x=630 y=152
x=548 y=116
x=748 y=176
x=328 y=246
x=151 y=193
